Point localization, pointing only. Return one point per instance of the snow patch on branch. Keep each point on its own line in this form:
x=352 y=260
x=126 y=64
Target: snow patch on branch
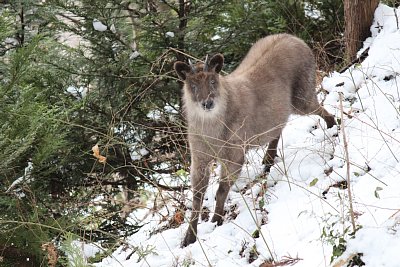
x=99 y=26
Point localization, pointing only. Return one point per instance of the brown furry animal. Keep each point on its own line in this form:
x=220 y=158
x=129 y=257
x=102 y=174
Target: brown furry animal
x=227 y=115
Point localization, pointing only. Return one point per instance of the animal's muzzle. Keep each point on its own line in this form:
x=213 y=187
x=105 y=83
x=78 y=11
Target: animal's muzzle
x=208 y=104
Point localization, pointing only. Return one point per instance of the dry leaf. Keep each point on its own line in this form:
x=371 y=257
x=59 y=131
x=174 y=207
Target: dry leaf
x=52 y=254
x=178 y=217
x=344 y=262
x=96 y=153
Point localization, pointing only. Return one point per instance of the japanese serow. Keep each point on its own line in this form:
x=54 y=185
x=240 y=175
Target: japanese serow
x=227 y=115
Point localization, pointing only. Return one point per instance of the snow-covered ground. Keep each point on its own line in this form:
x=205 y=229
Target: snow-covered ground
x=305 y=217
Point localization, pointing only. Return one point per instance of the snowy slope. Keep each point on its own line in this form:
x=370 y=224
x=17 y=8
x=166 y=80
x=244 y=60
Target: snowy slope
x=305 y=214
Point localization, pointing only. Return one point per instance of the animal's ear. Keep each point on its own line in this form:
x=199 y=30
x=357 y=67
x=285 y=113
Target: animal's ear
x=216 y=63
x=181 y=69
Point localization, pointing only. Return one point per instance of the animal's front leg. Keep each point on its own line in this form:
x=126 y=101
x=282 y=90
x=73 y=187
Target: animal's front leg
x=200 y=174
x=229 y=172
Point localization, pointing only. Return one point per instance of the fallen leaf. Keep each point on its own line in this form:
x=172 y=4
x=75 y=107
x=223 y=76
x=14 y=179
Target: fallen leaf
x=96 y=153
x=178 y=217
x=314 y=182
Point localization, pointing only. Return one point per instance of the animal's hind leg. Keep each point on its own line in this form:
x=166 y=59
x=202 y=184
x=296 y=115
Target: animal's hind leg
x=314 y=108
x=329 y=118
x=269 y=157
x=309 y=105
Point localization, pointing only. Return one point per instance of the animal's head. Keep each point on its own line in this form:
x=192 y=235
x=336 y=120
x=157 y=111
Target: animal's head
x=202 y=81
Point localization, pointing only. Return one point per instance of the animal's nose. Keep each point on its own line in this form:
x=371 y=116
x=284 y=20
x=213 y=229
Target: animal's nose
x=208 y=104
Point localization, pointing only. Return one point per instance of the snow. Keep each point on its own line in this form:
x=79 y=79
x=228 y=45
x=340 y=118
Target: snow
x=311 y=12
x=11 y=40
x=299 y=212
x=134 y=55
x=78 y=252
x=87 y=250
x=24 y=179
x=170 y=34
x=136 y=155
x=99 y=26
x=113 y=29
x=216 y=37
x=79 y=92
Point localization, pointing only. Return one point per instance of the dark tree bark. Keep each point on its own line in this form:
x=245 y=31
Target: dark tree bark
x=358 y=19
x=184 y=9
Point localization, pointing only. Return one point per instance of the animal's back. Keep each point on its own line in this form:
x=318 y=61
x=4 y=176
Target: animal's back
x=275 y=79
x=279 y=52
x=285 y=61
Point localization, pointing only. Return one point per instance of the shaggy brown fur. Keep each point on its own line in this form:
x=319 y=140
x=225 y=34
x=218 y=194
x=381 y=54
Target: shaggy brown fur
x=227 y=115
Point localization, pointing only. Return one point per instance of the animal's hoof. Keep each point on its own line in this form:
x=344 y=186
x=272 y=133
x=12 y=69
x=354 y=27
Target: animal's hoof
x=330 y=121
x=190 y=238
x=268 y=163
x=334 y=131
x=267 y=168
x=218 y=219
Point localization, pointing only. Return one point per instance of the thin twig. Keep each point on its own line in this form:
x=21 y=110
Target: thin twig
x=357 y=60
x=346 y=153
x=397 y=18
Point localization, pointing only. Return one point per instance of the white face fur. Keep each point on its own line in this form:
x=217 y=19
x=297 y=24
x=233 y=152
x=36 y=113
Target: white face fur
x=196 y=110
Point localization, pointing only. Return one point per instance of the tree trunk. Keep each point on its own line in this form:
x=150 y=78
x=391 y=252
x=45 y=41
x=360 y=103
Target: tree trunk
x=184 y=9
x=358 y=19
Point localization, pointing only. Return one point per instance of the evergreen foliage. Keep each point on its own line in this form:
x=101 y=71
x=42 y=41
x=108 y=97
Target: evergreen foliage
x=65 y=87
